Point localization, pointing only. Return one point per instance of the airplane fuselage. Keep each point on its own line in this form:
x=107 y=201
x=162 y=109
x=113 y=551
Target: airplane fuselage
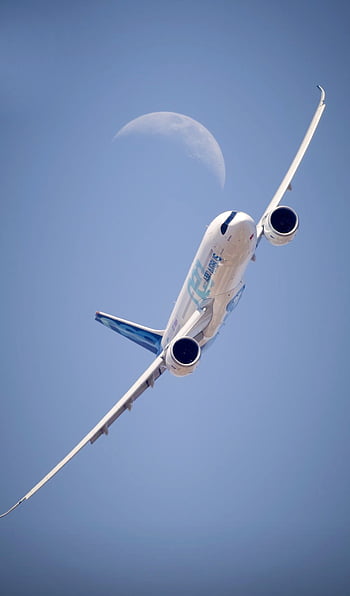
x=215 y=278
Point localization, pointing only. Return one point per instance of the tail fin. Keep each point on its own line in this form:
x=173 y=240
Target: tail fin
x=144 y=336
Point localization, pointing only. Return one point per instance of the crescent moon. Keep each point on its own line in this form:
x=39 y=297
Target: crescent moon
x=199 y=142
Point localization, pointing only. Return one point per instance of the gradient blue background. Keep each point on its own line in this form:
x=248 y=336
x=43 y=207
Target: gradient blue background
x=236 y=479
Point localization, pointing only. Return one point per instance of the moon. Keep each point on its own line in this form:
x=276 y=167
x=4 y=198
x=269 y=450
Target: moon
x=199 y=142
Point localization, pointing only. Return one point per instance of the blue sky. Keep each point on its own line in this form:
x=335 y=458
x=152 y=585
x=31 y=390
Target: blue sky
x=236 y=479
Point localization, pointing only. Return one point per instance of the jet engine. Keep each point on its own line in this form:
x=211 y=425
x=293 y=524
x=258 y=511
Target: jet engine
x=182 y=356
x=280 y=226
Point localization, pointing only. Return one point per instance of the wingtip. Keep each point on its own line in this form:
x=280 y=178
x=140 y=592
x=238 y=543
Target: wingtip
x=323 y=93
x=12 y=508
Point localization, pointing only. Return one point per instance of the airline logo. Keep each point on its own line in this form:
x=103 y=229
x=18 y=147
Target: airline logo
x=201 y=281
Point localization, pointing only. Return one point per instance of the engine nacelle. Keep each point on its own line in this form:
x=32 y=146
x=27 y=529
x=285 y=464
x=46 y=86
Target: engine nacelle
x=182 y=356
x=280 y=226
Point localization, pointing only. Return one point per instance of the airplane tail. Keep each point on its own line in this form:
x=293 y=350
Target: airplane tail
x=144 y=336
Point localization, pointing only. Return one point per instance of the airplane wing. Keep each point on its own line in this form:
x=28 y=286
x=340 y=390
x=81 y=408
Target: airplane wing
x=286 y=182
x=146 y=380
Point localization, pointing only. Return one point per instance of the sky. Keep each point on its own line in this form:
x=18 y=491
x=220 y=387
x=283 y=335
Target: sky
x=233 y=480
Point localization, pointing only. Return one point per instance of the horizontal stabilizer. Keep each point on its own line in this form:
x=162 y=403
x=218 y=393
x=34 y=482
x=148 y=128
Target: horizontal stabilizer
x=144 y=336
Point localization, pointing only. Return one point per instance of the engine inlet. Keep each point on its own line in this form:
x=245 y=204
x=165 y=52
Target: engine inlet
x=186 y=350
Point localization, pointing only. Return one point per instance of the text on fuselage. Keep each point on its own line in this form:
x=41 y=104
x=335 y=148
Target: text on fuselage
x=201 y=281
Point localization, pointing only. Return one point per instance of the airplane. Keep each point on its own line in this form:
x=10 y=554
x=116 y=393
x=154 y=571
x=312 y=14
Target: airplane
x=212 y=289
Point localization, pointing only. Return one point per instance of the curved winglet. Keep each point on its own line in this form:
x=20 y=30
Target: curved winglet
x=13 y=507
x=323 y=94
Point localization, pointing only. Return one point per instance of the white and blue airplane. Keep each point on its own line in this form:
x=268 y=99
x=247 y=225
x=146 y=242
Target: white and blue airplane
x=212 y=289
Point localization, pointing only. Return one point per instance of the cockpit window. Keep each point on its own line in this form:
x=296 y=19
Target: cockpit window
x=227 y=221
